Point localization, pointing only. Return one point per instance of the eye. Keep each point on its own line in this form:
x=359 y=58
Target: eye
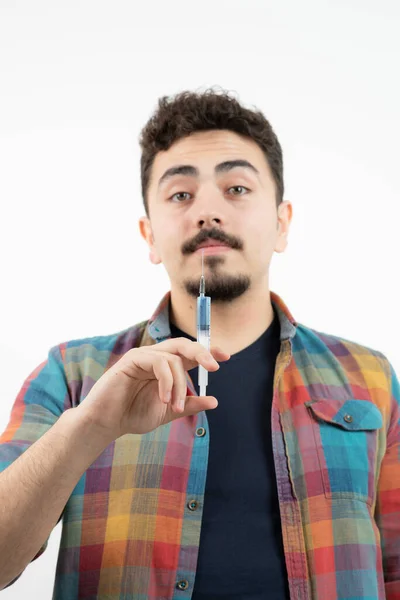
x=239 y=187
x=178 y=194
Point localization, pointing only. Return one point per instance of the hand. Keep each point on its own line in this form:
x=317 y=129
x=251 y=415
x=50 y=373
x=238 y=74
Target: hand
x=132 y=396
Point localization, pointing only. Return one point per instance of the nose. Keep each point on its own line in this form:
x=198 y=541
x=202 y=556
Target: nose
x=208 y=210
x=209 y=222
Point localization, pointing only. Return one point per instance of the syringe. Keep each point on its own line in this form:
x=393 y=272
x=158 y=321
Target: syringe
x=203 y=327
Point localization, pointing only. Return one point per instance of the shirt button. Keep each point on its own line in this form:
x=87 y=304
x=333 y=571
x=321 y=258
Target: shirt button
x=193 y=505
x=348 y=418
x=200 y=432
x=182 y=585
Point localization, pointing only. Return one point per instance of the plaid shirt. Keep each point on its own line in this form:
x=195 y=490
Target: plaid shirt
x=131 y=527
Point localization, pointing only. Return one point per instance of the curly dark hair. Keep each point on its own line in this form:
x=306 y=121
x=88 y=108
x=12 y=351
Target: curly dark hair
x=189 y=112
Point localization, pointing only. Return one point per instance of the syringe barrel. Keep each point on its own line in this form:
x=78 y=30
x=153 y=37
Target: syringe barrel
x=204 y=320
x=203 y=332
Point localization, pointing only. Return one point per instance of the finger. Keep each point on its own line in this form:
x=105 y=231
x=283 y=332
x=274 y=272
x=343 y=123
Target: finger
x=219 y=354
x=198 y=355
x=196 y=404
x=180 y=383
x=139 y=363
x=177 y=386
x=162 y=371
x=189 y=350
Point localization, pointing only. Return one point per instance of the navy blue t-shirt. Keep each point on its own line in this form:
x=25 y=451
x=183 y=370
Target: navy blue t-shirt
x=241 y=551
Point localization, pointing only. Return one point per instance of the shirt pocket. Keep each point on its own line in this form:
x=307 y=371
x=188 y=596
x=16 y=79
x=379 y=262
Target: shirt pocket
x=346 y=438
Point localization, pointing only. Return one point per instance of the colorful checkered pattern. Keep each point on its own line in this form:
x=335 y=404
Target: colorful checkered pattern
x=129 y=530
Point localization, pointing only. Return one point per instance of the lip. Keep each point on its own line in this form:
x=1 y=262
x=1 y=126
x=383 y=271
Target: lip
x=213 y=249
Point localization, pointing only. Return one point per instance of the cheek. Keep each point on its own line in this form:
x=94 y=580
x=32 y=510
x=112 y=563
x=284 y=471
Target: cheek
x=167 y=242
x=262 y=230
x=161 y=233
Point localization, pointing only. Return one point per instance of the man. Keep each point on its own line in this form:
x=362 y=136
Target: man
x=283 y=482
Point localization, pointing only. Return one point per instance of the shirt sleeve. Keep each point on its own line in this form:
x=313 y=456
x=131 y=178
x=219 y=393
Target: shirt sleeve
x=388 y=499
x=44 y=396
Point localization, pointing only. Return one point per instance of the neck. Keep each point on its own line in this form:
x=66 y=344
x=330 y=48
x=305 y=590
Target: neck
x=234 y=325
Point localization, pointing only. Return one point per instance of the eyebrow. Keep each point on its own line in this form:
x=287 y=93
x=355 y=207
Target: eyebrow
x=191 y=171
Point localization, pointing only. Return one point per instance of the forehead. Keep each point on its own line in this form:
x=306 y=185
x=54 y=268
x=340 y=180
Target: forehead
x=207 y=148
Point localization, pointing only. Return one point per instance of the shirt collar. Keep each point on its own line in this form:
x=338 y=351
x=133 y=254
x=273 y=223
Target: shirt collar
x=158 y=327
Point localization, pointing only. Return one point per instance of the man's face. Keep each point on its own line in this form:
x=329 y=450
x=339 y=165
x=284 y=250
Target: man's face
x=235 y=205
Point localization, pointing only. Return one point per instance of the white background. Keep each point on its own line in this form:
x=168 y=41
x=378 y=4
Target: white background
x=78 y=81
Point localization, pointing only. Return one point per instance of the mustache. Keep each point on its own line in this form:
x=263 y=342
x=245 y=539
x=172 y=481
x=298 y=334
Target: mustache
x=211 y=234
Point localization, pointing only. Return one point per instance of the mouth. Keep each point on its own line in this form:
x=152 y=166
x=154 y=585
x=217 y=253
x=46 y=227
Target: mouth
x=213 y=248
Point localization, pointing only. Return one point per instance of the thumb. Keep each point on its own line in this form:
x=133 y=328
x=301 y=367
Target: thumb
x=195 y=404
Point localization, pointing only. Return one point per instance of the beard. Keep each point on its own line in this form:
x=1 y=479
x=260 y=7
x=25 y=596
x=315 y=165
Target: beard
x=221 y=287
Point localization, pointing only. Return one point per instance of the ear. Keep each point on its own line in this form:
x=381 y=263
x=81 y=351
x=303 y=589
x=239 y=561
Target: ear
x=147 y=234
x=285 y=212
